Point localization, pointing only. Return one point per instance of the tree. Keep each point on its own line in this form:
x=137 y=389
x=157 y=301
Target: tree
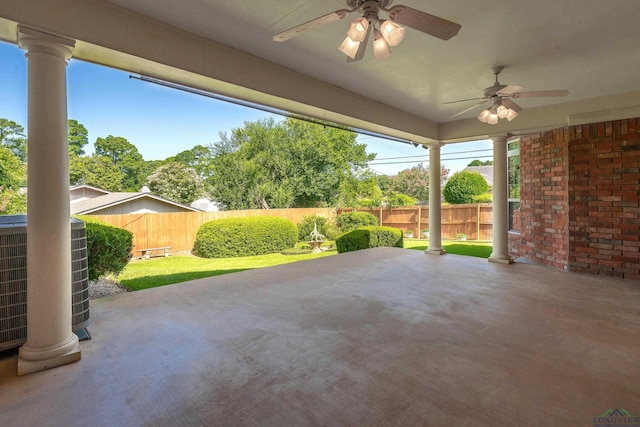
x=124 y=156
x=198 y=158
x=463 y=186
x=481 y=163
x=292 y=163
x=12 y=177
x=12 y=137
x=176 y=182
x=414 y=182
x=97 y=171
x=78 y=137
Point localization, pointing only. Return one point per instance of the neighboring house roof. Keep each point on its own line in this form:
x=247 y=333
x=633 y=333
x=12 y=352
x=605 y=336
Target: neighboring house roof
x=83 y=192
x=87 y=206
x=206 y=205
x=485 y=171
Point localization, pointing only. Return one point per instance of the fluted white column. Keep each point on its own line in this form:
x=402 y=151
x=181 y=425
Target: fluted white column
x=435 y=215
x=50 y=341
x=500 y=252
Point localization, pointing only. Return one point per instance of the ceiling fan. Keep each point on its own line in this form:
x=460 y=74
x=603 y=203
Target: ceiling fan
x=389 y=32
x=501 y=106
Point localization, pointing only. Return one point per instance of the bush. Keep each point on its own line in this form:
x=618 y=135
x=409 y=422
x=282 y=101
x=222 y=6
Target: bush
x=369 y=237
x=483 y=198
x=351 y=220
x=463 y=185
x=108 y=248
x=325 y=227
x=395 y=199
x=234 y=237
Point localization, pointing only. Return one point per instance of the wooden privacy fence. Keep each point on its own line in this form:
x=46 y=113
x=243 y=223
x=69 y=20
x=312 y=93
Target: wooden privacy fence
x=178 y=230
x=474 y=220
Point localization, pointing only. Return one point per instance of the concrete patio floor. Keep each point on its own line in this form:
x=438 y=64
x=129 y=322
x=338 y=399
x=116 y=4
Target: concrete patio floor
x=383 y=337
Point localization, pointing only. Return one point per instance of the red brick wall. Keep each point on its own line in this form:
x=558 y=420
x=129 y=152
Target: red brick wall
x=604 y=215
x=543 y=199
x=580 y=202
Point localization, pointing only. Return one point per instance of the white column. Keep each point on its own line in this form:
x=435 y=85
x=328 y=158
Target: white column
x=50 y=341
x=435 y=216
x=500 y=252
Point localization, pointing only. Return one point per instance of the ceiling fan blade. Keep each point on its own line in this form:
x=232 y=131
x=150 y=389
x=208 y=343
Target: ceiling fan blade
x=510 y=104
x=421 y=21
x=326 y=19
x=539 y=93
x=361 y=48
x=463 y=100
x=469 y=109
x=509 y=89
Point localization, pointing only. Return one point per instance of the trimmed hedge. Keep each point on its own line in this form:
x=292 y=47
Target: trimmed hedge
x=351 y=220
x=235 y=237
x=369 y=237
x=108 y=248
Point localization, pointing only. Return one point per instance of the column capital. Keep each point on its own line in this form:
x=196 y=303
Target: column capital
x=37 y=41
x=499 y=138
x=434 y=144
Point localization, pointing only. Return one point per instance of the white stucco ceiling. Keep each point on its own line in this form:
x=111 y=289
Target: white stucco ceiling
x=589 y=47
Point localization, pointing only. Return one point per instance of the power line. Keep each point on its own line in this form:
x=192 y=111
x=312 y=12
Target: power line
x=266 y=109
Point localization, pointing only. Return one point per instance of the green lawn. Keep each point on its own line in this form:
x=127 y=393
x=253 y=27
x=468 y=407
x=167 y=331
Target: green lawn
x=165 y=271
x=480 y=249
x=155 y=272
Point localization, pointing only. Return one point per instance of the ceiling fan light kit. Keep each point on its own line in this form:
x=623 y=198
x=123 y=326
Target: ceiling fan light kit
x=389 y=32
x=502 y=107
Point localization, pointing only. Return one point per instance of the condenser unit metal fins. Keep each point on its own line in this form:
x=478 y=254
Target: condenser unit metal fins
x=13 y=279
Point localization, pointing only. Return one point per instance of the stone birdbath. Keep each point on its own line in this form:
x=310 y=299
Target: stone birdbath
x=315 y=239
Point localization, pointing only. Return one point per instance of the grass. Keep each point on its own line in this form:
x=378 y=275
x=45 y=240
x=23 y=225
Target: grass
x=480 y=249
x=156 y=272
x=166 y=271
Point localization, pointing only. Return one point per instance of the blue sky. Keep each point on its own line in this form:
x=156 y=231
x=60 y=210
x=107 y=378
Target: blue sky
x=162 y=122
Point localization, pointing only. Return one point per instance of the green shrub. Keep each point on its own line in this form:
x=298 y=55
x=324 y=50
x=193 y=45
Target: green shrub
x=325 y=227
x=108 y=248
x=483 y=198
x=395 y=199
x=234 y=237
x=463 y=186
x=351 y=220
x=369 y=237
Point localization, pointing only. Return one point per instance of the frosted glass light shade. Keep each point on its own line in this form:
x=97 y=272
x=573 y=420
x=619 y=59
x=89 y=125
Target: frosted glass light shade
x=492 y=119
x=380 y=46
x=512 y=114
x=484 y=116
x=349 y=47
x=502 y=111
x=358 y=29
x=392 y=32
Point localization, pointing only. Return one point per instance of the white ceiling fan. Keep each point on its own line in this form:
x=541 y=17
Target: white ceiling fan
x=386 y=33
x=501 y=106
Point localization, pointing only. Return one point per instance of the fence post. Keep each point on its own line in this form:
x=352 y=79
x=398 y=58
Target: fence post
x=419 y=220
x=478 y=223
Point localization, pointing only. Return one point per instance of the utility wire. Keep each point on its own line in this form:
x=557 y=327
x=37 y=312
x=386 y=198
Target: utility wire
x=266 y=109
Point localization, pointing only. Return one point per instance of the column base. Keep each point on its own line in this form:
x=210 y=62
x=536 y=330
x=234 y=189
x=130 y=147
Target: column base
x=435 y=251
x=501 y=259
x=32 y=360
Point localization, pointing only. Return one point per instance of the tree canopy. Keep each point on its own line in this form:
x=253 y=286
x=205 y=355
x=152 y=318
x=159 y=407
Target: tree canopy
x=125 y=156
x=175 y=182
x=293 y=163
x=12 y=137
x=78 y=138
x=480 y=163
